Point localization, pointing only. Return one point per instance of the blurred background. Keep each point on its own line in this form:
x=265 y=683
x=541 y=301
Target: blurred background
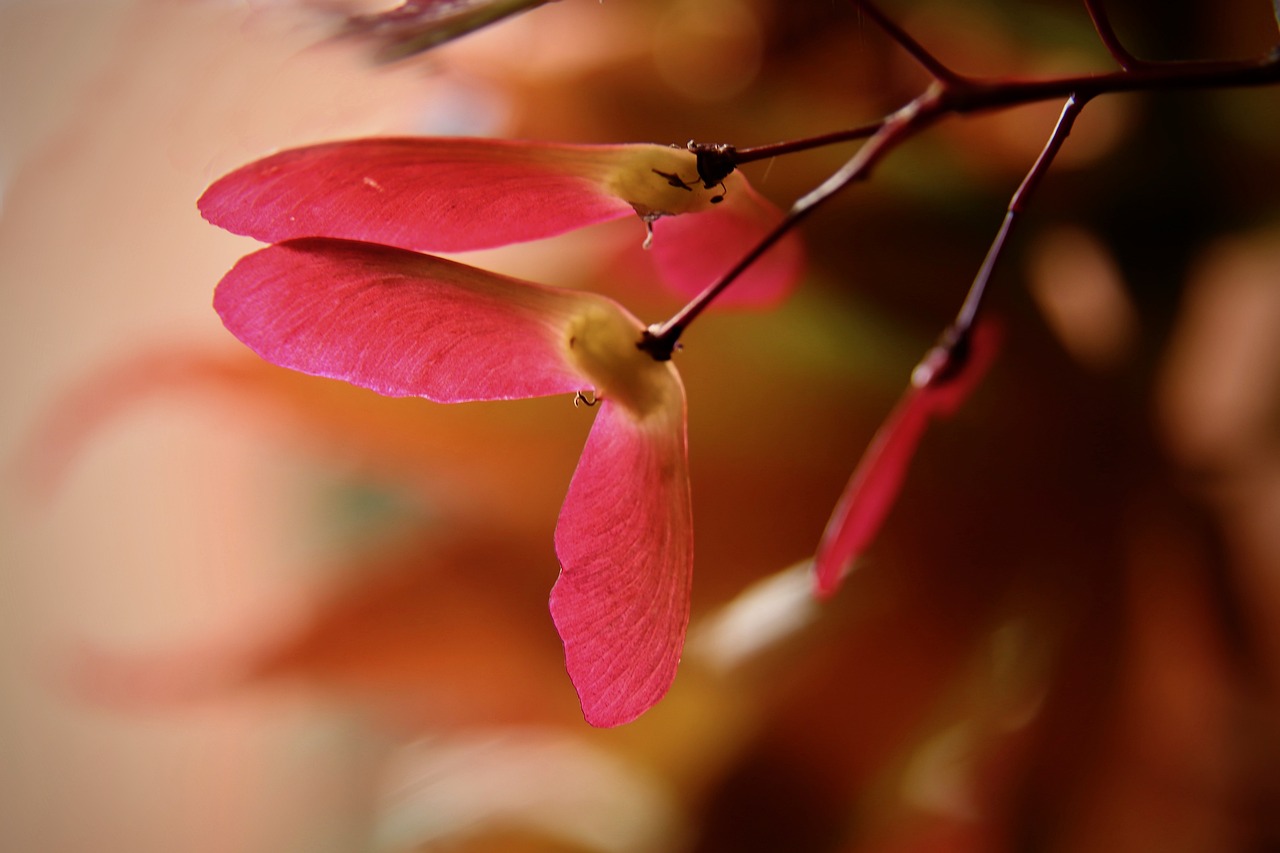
x=243 y=610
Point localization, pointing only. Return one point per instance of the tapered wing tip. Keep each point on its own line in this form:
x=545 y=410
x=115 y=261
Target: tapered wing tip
x=608 y=698
x=879 y=476
x=611 y=718
x=826 y=581
x=216 y=208
x=609 y=715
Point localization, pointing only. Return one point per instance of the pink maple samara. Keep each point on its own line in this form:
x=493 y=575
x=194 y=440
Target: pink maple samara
x=437 y=194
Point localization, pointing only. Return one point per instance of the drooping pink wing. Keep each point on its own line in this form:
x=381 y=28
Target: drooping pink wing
x=401 y=323
x=871 y=491
x=625 y=543
x=880 y=473
x=693 y=250
x=423 y=193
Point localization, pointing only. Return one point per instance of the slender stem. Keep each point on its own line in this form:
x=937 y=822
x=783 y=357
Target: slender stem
x=897 y=128
x=660 y=339
x=777 y=149
x=973 y=301
x=951 y=94
x=919 y=53
x=1110 y=40
x=1066 y=122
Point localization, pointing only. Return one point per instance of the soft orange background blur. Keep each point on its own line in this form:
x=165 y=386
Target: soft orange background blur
x=243 y=610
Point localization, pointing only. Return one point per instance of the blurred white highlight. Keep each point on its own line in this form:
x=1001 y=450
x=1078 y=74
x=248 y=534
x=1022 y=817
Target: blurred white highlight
x=535 y=780
x=761 y=616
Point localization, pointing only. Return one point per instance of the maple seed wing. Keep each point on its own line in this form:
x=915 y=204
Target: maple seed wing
x=871 y=492
x=880 y=473
x=625 y=543
x=400 y=323
x=692 y=251
x=439 y=194
x=426 y=194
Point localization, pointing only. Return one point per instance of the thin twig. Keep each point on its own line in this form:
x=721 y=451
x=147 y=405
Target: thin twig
x=660 y=339
x=973 y=301
x=1108 y=36
x=918 y=52
x=777 y=149
x=716 y=159
x=951 y=94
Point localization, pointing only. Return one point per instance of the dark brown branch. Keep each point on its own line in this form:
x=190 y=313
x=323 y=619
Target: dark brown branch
x=951 y=95
x=977 y=95
x=413 y=27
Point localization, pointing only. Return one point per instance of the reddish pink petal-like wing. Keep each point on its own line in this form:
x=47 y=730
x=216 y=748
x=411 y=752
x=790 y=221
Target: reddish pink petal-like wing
x=401 y=323
x=693 y=250
x=878 y=478
x=872 y=490
x=625 y=542
x=427 y=194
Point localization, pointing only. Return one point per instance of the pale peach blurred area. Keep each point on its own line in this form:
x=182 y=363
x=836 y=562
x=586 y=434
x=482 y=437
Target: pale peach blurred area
x=1219 y=410
x=1079 y=289
x=115 y=116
